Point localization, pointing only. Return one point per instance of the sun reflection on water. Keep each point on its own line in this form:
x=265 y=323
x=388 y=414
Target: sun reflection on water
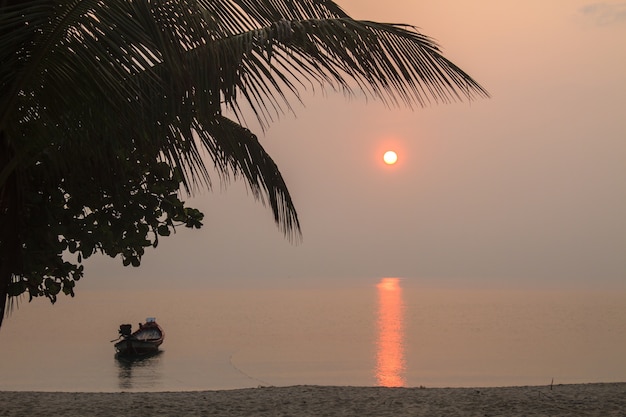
x=390 y=362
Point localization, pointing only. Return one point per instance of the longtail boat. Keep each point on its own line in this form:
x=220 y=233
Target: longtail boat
x=143 y=341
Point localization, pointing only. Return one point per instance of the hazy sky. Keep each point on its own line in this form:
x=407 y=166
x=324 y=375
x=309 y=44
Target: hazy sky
x=526 y=188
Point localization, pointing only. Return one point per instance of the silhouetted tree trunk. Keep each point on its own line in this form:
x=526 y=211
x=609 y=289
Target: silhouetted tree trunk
x=9 y=226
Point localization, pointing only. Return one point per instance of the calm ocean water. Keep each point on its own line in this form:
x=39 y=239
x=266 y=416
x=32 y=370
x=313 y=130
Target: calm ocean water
x=392 y=332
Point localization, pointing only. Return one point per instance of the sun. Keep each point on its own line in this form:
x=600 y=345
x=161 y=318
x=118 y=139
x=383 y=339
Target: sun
x=390 y=157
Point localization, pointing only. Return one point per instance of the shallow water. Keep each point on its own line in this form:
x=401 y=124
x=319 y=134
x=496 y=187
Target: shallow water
x=369 y=332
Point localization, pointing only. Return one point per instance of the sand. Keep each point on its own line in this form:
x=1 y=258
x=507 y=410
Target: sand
x=560 y=400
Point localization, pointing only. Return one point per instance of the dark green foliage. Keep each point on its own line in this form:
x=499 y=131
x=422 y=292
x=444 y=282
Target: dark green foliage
x=68 y=221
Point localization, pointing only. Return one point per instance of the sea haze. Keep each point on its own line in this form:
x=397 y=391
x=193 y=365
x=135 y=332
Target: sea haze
x=387 y=331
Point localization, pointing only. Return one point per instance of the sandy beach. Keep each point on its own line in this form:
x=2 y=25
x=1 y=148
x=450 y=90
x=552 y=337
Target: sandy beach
x=560 y=400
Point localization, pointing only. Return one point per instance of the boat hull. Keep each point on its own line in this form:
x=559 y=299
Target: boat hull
x=132 y=347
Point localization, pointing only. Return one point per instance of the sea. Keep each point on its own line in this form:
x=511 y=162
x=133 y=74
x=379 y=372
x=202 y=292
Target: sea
x=383 y=331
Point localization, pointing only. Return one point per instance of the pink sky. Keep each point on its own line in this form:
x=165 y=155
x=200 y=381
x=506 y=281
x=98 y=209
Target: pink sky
x=526 y=188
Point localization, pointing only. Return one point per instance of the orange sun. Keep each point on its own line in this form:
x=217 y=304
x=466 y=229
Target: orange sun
x=390 y=157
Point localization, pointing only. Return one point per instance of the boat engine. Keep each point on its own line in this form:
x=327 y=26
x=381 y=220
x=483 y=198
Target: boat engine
x=125 y=330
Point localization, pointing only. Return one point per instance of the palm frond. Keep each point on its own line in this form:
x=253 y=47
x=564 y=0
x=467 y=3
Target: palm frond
x=393 y=63
x=159 y=68
x=234 y=148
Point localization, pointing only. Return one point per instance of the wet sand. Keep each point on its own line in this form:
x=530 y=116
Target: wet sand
x=560 y=400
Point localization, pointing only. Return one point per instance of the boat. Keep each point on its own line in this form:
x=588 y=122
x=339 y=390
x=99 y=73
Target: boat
x=143 y=341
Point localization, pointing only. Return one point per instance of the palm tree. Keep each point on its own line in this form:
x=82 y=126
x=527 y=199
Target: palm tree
x=107 y=108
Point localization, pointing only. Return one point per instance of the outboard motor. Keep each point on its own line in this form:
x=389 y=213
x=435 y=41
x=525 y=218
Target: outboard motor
x=125 y=330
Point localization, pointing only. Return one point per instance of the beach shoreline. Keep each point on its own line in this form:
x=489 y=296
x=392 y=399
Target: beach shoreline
x=594 y=399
